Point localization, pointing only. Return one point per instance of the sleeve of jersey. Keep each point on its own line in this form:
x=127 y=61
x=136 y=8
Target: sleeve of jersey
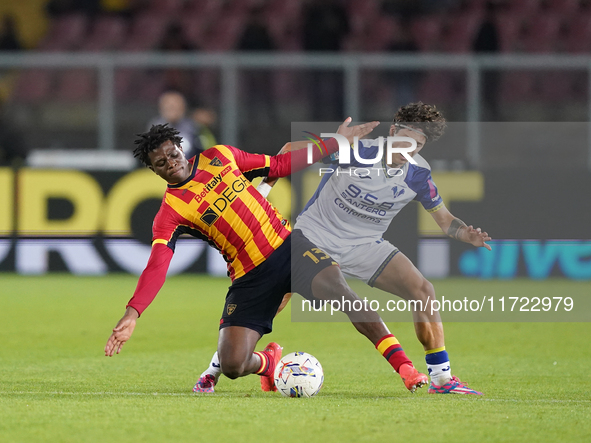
x=251 y=165
x=429 y=196
x=152 y=278
x=334 y=158
x=286 y=164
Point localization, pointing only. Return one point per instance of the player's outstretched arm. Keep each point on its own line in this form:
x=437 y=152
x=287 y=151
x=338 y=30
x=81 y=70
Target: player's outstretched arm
x=122 y=332
x=146 y=290
x=349 y=132
x=455 y=228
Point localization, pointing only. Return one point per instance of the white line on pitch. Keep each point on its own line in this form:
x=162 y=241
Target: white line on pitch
x=185 y=394
x=152 y=394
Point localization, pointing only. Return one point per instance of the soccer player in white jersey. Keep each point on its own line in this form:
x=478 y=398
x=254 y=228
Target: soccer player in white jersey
x=350 y=212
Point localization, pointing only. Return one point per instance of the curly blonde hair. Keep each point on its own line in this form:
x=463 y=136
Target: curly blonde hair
x=424 y=117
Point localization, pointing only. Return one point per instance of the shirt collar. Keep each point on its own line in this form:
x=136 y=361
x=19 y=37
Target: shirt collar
x=192 y=161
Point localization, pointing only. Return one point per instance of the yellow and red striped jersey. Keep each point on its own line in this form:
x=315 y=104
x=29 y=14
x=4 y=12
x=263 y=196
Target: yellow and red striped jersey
x=219 y=204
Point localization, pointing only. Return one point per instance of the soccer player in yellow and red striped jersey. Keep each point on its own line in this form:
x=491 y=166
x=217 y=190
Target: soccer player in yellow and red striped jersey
x=218 y=185
x=211 y=197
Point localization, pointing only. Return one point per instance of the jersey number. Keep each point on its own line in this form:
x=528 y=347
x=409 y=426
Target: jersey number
x=316 y=254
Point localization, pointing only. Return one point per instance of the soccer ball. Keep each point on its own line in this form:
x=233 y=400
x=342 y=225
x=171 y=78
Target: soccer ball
x=299 y=374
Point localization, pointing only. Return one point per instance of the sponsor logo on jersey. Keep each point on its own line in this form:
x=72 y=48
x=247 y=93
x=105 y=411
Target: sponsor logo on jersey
x=216 y=162
x=397 y=192
x=210 y=185
x=209 y=217
x=224 y=198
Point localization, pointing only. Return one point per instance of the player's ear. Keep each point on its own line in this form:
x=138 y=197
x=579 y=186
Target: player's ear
x=392 y=129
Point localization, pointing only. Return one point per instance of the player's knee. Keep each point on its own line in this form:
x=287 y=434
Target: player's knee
x=329 y=284
x=425 y=291
x=232 y=369
x=232 y=372
x=338 y=291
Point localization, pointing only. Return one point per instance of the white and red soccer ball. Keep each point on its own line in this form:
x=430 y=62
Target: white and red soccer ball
x=299 y=374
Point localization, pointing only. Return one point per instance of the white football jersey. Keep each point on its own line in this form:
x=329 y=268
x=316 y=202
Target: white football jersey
x=355 y=203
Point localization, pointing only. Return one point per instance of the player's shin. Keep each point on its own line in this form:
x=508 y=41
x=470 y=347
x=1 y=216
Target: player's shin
x=371 y=325
x=266 y=364
x=269 y=358
x=392 y=351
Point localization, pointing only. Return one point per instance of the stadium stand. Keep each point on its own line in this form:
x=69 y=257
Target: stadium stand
x=517 y=86
x=461 y=31
x=529 y=25
x=76 y=85
x=165 y=7
x=33 y=85
x=509 y=28
x=532 y=26
x=566 y=8
x=577 y=35
x=147 y=29
x=380 y=35
x=427 y=31
x=66 y=33
x=542 y=32
x=108 y=33
x=523 y=8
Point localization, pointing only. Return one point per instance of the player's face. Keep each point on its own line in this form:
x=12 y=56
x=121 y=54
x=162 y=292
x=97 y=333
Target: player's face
x=169 y=162
x=399 y=159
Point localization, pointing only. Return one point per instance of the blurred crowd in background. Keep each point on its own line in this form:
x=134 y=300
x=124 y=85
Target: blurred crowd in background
x=52 y=108
x=294 y=25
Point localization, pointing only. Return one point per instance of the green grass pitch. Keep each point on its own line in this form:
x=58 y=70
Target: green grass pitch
x=56 y=385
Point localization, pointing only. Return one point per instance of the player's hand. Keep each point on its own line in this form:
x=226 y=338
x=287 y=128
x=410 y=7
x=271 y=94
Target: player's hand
x=359 y=131
x=478 y=238
x=121 y=333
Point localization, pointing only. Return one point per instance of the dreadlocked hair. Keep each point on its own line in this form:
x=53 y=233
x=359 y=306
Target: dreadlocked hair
x=424 y=117
x=151 y=140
